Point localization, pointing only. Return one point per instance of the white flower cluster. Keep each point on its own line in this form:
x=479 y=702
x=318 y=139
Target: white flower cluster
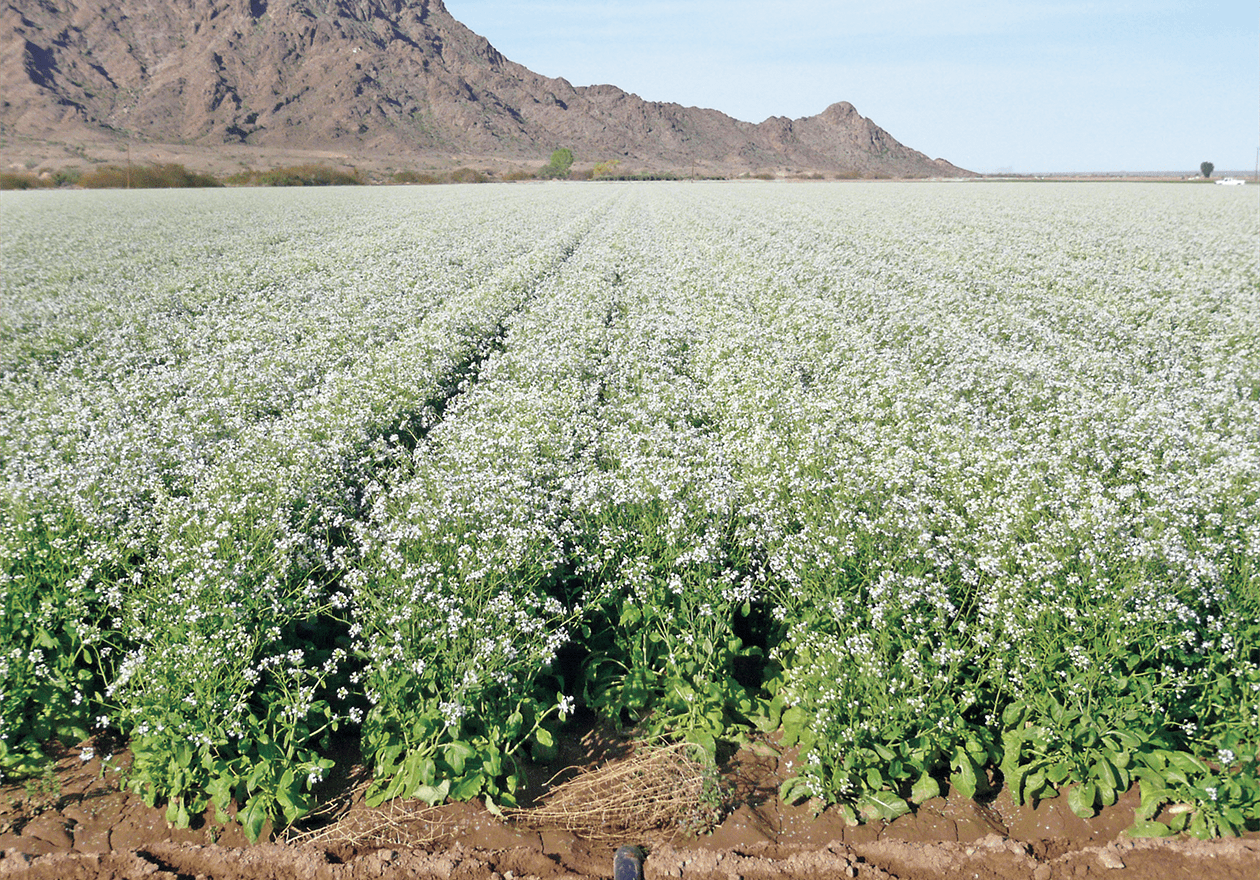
x=939 y=432
x=190 y=389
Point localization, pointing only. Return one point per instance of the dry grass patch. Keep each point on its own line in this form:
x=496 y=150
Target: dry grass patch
x=657 y=789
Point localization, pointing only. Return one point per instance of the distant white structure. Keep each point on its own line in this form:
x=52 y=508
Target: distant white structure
x=1231 y=181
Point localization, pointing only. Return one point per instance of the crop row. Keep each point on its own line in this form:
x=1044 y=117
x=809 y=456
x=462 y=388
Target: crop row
x=955 y=486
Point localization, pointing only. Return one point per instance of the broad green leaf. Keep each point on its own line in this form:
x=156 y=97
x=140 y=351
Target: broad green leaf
x=794 y=789
x=925 y=789
x=1015 y=782
x=253 y=817
x=1148 y=828
x=1013 y=715
x=177 y=813
x=1108 y=780
x=468 y=787
x=433 y=794
x=457 y=753
x=1080 y=798
x=795 y=722
x=1036 y=784
x=883 y=805
x=1188 y=764
x=704 y=740
x=964 y=779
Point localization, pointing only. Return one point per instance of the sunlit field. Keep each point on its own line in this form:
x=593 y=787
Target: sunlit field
x=955 y=486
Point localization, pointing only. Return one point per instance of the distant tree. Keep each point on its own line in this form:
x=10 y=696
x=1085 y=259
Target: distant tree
x=560 y=164
x=1207 y=168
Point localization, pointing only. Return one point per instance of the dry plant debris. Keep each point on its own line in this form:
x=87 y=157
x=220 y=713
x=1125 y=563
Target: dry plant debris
x=663 y=788
x=400 y=822
x=657 y=789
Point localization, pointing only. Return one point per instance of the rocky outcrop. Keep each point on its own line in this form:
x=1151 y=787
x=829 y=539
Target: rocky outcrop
x=397 y=77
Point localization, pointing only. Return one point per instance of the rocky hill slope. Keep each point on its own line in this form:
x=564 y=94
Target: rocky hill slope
x=381 y=77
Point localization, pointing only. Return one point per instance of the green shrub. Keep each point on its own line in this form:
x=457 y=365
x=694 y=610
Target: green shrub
x=22 y=180
x=559 y=166
x=468 y=175
x=642 y=175
x=413 y=177
x=168 y=176
x=298 y=175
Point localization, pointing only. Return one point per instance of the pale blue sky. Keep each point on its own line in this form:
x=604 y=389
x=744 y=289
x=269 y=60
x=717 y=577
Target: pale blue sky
x=991 y=85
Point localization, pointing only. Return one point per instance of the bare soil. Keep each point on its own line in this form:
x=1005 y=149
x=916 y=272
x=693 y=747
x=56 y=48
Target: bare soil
x=85 y=826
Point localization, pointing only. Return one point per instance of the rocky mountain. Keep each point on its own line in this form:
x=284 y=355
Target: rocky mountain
x=381 y=77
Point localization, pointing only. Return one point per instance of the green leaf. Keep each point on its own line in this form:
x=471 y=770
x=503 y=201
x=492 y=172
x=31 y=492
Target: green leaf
x=1153 y=797
x=426 y=771
x=883 y=805
x=1176 y=777
x=381 y=790
x=468 y=787
x=963 y=779
x=1080 y=799
x=253 y=817
x=925 y=789
x=1013 y=714
x=177 y=813
x=704 y=740
x=1015 y=781
x=1056 y=710
x=289 y=798
x=977 y=751
x=1188 y=764
x=433 y=794
x=795 y=722
x=1149 y=828
x=793 y=789
x=261 y=770
x=1059 y=773
x=457 y=753
x=1107 y=779
x=1035 y=785
x=1199 y=826
x=1125 y=740
x=492 y=763
x=220 y=791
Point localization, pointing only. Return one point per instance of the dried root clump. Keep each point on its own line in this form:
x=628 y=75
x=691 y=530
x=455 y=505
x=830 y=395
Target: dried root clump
x=400 y=822
x=659 y=789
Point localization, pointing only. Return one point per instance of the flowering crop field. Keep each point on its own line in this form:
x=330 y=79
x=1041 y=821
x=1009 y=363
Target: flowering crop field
x=952 y=485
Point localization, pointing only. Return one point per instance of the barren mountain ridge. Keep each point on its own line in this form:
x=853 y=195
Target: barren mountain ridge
x=375 y=77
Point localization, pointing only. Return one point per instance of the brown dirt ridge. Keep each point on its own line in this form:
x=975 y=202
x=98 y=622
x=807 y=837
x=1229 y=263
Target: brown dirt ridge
x=80 y=824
